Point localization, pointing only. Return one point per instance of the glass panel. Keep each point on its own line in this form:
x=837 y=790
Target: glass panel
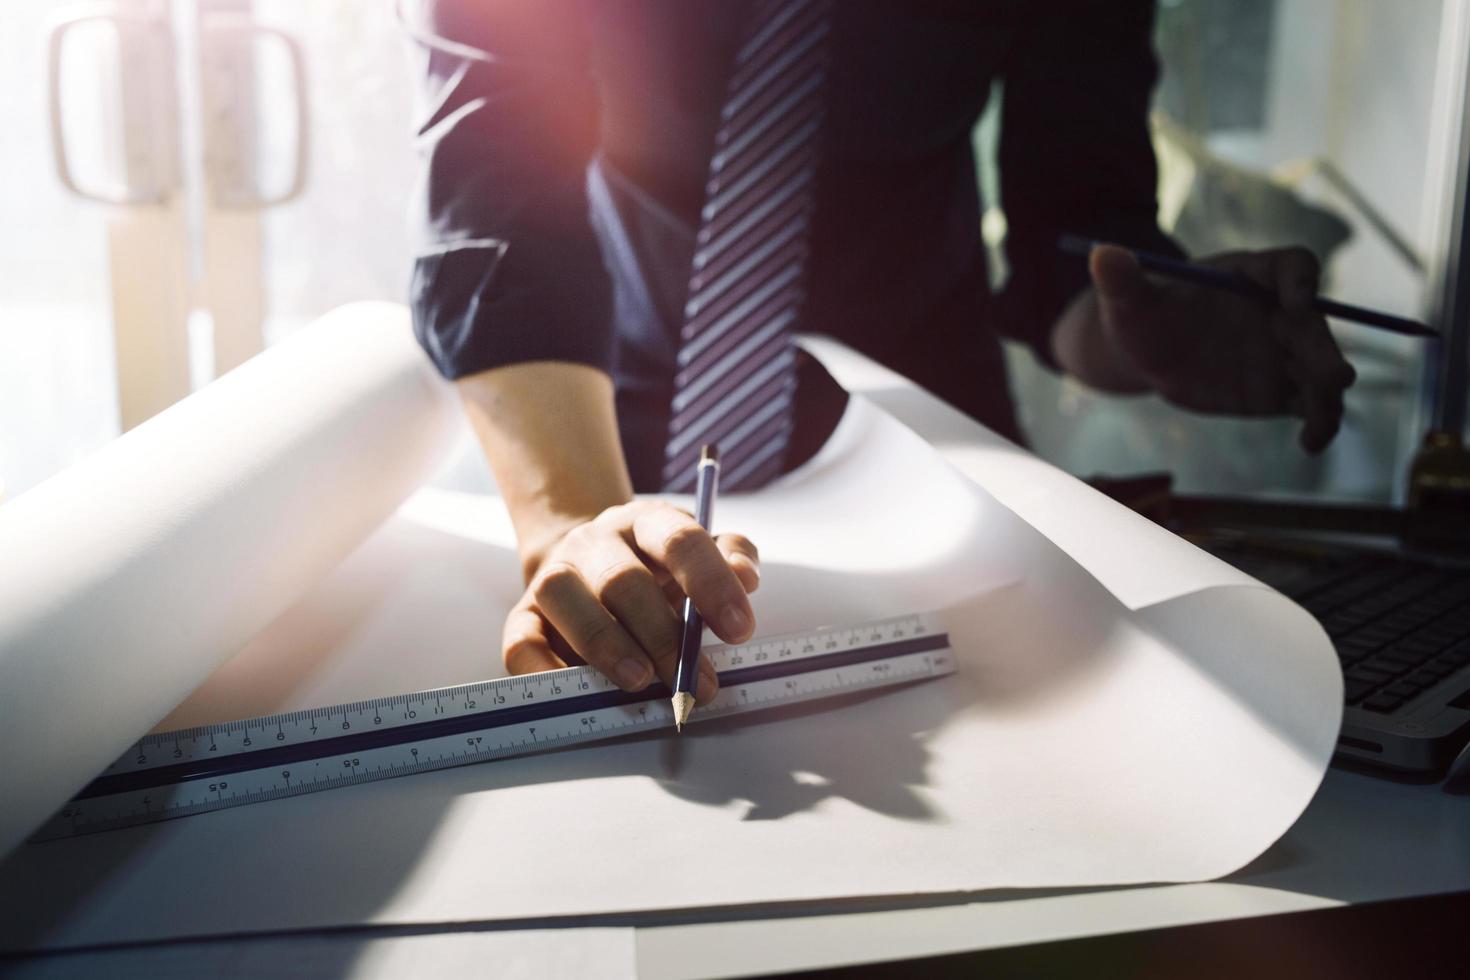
x=345 y=238
x=1282 y=122
x=58 y=397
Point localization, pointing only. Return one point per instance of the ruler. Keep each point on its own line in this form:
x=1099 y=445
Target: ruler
x=198 y=770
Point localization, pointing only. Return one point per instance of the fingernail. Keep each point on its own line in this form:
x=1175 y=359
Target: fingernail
x=631 y=673
x=734 y=622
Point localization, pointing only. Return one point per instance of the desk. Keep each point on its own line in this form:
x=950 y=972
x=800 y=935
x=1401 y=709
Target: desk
x=1361 y=839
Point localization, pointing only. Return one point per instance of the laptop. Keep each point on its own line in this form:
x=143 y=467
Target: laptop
x=1399 y=618
x=1390 y=587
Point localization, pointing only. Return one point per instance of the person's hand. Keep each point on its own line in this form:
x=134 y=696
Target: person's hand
x=610 y=590
x=1210 y=350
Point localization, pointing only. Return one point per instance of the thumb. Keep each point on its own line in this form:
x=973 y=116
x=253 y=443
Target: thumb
x=1121 y=286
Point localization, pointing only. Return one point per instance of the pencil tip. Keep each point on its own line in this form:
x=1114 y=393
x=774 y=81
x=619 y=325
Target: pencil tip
x=683 y=705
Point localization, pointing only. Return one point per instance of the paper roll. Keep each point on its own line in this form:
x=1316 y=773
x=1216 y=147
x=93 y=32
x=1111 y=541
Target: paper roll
x=128 y=578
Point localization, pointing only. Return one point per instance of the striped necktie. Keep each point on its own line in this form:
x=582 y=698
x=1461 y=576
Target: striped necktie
x=736 y=370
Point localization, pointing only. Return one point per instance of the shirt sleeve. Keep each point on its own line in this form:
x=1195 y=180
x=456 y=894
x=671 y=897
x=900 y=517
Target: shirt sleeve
x=507 y=267
x=1075 y=155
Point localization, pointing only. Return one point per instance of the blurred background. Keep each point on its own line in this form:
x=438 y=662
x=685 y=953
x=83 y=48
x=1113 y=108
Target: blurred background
x=188 y=180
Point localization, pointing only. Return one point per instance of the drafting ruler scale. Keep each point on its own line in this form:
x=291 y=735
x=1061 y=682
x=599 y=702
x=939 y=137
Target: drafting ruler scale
x=197 y=770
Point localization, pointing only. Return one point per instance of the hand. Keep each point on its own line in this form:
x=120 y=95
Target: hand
x=1214 y=351
x=611 y=591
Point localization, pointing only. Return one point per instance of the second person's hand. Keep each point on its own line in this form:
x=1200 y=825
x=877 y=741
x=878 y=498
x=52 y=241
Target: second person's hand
x=1210 y=350
x=609 y=590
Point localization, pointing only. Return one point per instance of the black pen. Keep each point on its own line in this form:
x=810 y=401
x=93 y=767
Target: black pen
x=1237 y=283
x=687 y=679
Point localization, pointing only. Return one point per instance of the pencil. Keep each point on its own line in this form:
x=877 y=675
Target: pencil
x=687 y=678
x=1237 y=283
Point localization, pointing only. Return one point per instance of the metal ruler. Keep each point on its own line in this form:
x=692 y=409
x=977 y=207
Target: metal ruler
x=196 y=770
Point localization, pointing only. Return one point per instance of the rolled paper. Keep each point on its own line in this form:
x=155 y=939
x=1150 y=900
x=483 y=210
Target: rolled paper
x=128 y=578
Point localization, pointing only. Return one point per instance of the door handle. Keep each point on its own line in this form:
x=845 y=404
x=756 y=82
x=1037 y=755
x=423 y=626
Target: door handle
x=150 y=172
x=227 y=163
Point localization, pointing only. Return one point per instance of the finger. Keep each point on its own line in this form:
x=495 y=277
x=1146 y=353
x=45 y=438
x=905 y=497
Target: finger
x=1321 y=373
x=573 y=611
x=1321 y=408
x=628 y=590
x=525 y=647
x=1122 y=288
x=709 y=682
x=743 y=558
x=1296 y=273
x=1313 y=351
x=677 y=542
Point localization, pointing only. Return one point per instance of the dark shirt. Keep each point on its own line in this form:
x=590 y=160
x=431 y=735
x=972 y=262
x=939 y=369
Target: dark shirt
x=565 y=146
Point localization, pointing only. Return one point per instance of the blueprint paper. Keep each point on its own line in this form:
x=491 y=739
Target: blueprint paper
x=128 y=578
x=1088 y=739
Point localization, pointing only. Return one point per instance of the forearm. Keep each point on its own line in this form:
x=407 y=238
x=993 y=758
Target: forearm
x=549 y=431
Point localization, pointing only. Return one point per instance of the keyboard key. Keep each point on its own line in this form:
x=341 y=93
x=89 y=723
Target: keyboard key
x=1402 y=622
x=1368 y=674
x=1384 y=664
x=1359 y=640
x=1402 y=689
x=1382 y=701
x=1354 y=691
x=1417 y=646
x=1424 y=678
x=1393 y=653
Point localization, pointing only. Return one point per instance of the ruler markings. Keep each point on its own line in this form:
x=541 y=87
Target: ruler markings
x=143 y=787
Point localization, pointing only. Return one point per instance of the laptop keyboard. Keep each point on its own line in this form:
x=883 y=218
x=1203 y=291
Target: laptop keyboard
x=1400 y=625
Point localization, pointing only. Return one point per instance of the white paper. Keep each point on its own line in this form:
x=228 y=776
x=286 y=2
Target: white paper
x=521 y=954
x=128 y=578
x=1137 y=561
x=1083 y=743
